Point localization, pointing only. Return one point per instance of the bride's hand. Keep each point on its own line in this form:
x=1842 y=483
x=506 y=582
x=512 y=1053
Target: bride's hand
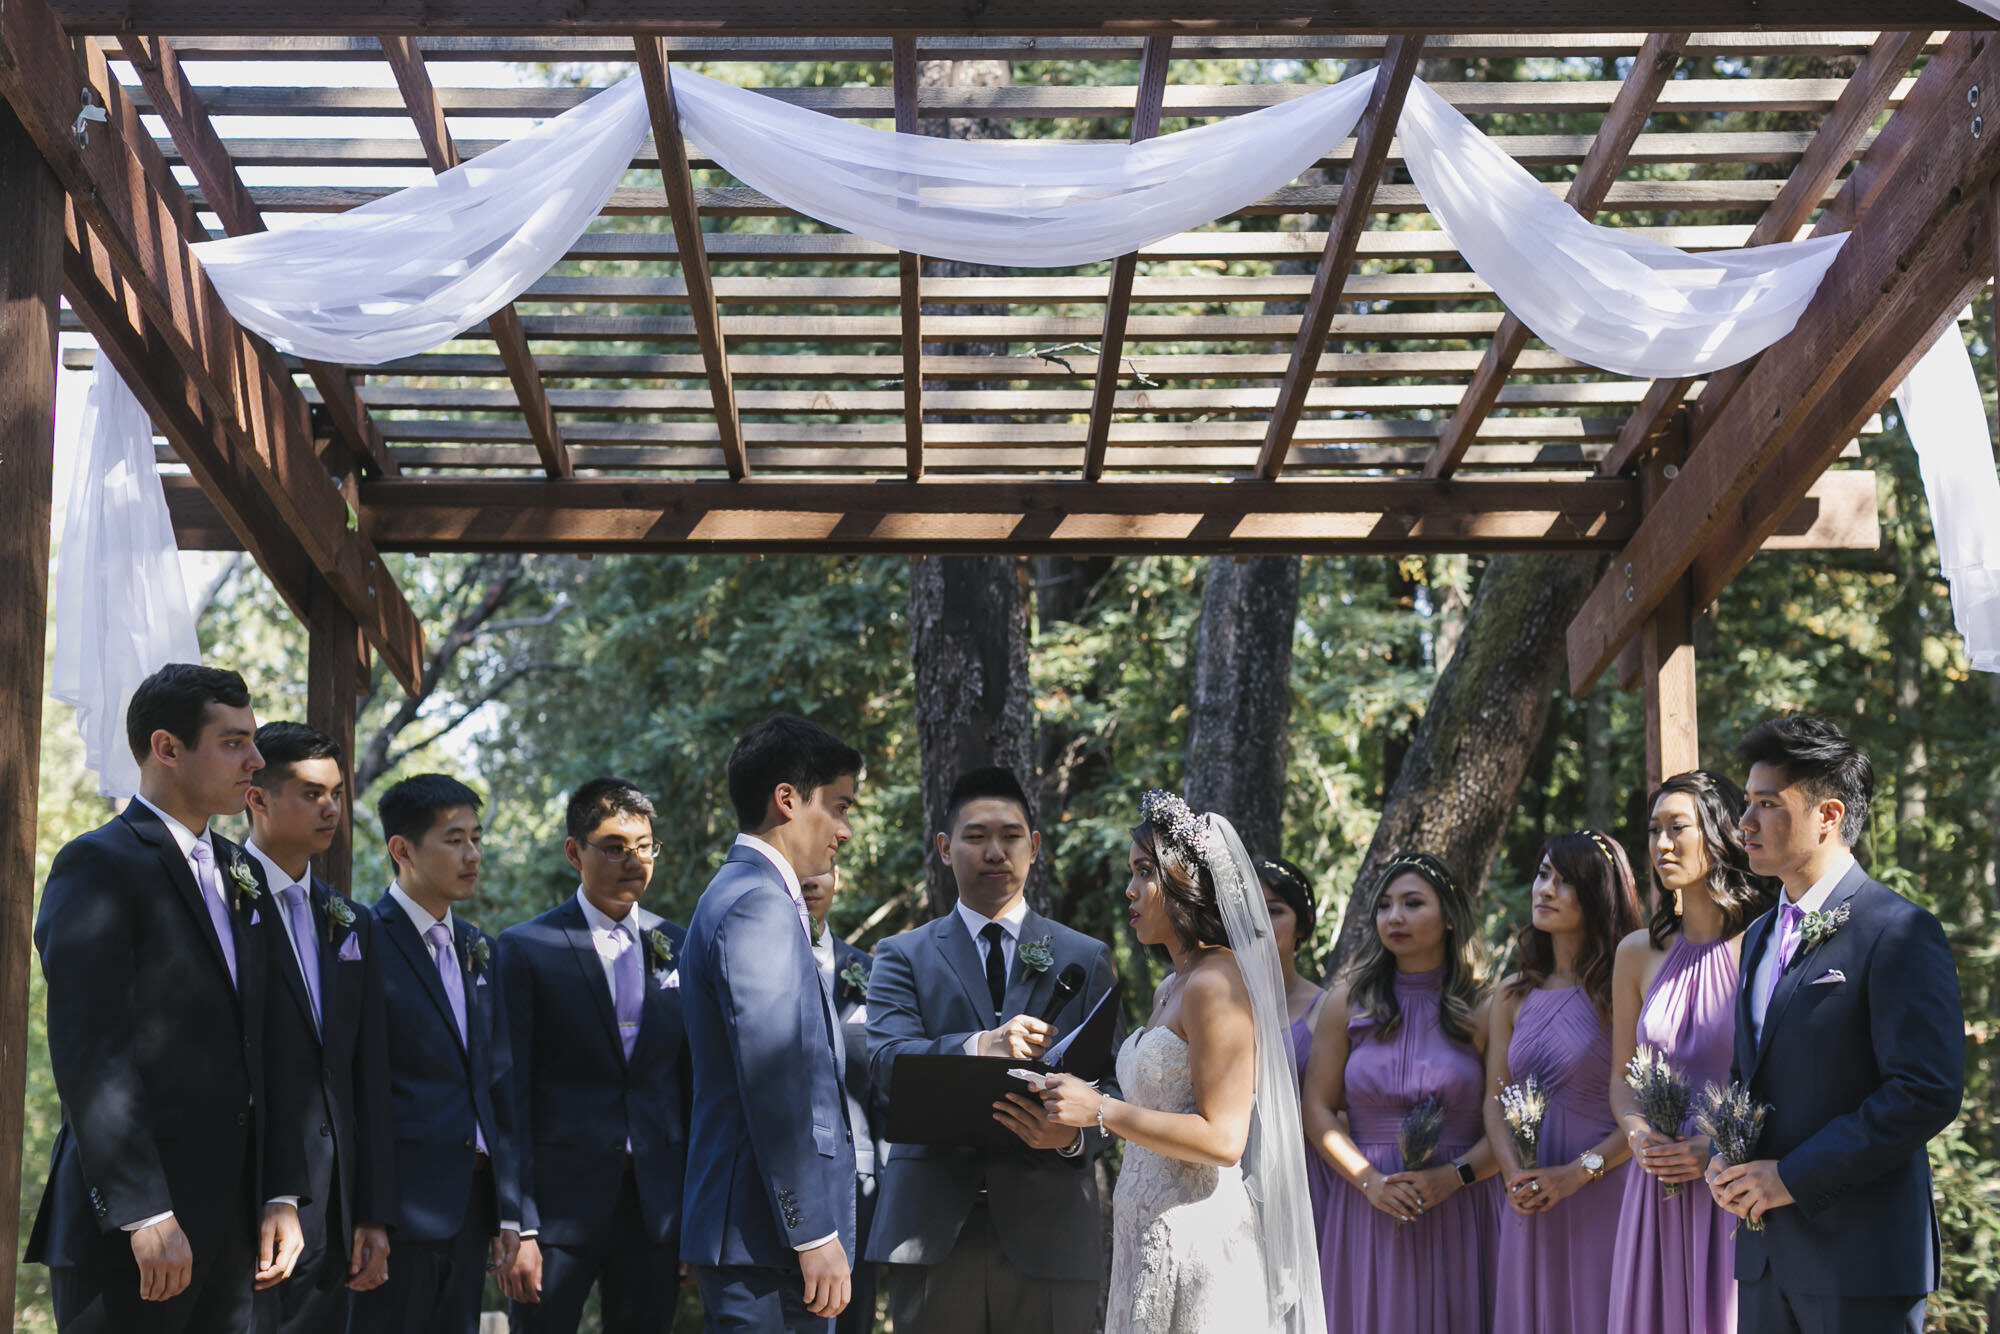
x=1069 y=1101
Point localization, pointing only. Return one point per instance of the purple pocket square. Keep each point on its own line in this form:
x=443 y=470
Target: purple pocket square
x=1828 y=978
x=350 y=950
x=253 y=917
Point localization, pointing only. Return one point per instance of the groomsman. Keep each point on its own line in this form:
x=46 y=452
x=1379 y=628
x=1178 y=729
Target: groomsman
x=844 y=969
x=457 y=1211
x=329 y=1085
x=1008 y=1241
x=149 y=939
x=601 y=1082
x=1849 y=1025
x=769 y=1210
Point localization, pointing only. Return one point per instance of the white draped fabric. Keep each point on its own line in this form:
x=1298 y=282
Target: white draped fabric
x=1946 y=421
x=121 y=608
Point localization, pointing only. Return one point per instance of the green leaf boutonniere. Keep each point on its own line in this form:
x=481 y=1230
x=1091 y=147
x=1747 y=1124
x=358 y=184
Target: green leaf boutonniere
x=1815 y=927
x=245 y=880
x=1038 y=956
x=856 y=977
x=479 y=956
x=338 y=916
x=660 y=949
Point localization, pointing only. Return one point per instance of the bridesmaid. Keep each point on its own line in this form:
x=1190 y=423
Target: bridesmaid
x=1552 y=1019
x=1406 y=1252
x=1674 y=988
x=1289 y=899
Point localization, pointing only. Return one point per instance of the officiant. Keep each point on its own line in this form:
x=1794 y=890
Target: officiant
x=977 y=1239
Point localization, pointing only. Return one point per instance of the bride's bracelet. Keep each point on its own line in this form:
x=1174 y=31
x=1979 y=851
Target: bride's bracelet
x=1101 y=1128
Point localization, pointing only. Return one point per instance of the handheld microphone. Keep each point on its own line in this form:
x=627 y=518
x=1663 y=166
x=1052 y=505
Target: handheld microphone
x=1068 y=983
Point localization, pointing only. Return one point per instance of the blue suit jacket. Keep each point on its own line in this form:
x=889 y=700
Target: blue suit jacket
x=1862 y=1059
x=867 y=1110
x=770 y=1155
x=439 y=1087
x=578 y=1098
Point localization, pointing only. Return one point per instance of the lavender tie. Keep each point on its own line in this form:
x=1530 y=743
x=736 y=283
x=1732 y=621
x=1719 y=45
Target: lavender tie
x=1790 y=915
x=298 y=920
x=630 y=993
x=211 y=895
x=439 y=936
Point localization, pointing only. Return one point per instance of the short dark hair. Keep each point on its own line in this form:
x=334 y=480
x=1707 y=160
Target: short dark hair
x=784 y=749
x=411 y=807
x=283 y=745
x=175 y=700
x=600 y=799
x=1817 y=756
x=994 y=782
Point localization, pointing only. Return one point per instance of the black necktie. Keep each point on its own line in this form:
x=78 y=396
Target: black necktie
x=996 y=964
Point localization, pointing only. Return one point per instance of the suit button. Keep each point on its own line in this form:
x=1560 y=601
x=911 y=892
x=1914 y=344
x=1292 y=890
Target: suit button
x=326 y=1132
x=243 y=1118
x=471 y=1143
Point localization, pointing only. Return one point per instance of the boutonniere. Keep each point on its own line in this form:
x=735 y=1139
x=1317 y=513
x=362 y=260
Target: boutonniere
x=818 y=930
x=660 y=950
x=1815 y=927
x=856 y=978
x=1037 y=956
x=338 y=914
x=245 y=881
x=478 y=955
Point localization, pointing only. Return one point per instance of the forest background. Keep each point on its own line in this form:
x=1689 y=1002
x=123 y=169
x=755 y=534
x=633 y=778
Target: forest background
x=1316 y=692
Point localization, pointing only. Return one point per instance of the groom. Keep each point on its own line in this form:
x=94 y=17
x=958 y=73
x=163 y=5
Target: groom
x=1849 y=1025
x=767 y=1219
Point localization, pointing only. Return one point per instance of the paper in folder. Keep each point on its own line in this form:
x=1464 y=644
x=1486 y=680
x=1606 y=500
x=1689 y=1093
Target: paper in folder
x=949 y=1099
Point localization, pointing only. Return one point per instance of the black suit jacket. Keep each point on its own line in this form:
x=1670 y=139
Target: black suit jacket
x=329 y=1083
x=158 y=1058
x=579 y=1099
x=1862 y=1060
x=442 y=1089
x=867 y=1109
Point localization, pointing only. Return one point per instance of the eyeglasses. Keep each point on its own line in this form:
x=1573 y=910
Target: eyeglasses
x=618 y=856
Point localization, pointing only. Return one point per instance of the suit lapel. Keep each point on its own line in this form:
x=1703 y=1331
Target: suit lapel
x=1754 y=941
x=462 y=937
x=288 y=964
x=396 y=924
x=324 y=943
x=955 y=944
x=149 y=828
x=584 y=950
x=1795 y=971
x=1027 y=991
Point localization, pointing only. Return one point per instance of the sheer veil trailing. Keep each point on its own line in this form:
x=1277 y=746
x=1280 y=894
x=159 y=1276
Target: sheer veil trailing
x=1274 y=1160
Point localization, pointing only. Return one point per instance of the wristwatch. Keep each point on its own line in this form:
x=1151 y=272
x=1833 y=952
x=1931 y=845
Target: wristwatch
x=1466 y=1176
x=1592 y=1163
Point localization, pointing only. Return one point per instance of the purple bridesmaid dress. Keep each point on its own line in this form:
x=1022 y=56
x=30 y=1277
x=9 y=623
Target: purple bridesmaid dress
x=1320 y=1178
x=1434 y=1275
x=1674 y=1270
x=1555 y=1267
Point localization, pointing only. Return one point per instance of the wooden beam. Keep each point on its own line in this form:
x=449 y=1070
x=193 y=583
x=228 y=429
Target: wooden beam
x=909 y=273
x=201 y=148
x=1118 y=295
x=1343 y=238
x=30 y=273
x=1083 y=18
x=333 y=685
x=1867 y=93
x=1651 y=71
x=1666 y=647
x=1908 y=267
x=141 y=249
x=413 y=78
x=678 y=184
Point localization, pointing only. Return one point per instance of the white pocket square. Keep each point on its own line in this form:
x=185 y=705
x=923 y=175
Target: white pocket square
x=479 y=980
x=1827 y=978
x=350 y=950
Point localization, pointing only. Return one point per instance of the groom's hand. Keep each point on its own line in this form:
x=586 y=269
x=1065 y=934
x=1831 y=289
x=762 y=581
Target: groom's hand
x=829 y=1282
x=1021 y=1038
x=1751 y=1190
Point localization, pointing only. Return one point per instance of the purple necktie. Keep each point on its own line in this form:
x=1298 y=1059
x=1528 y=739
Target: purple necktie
x=439 y=936
x=630 y=992
x=298 y=919
x=211 y=895
x=1790 y=915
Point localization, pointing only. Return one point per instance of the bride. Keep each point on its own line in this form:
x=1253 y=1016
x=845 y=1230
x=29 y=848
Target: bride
x=1211 y=1228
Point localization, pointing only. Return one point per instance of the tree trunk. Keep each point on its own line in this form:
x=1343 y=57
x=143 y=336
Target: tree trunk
x=1459 y=781
x=1242 y=699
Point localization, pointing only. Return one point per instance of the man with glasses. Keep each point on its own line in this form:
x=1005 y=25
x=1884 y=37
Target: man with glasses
x=593 y=996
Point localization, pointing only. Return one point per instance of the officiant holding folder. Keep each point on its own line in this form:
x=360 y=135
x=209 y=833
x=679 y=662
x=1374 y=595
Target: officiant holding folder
x=987 y=1239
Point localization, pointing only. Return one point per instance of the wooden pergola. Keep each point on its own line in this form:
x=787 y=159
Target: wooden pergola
x=1175 y=400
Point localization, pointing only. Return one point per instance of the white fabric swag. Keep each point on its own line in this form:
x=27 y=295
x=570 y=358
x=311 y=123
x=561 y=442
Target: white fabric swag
x=121 y=608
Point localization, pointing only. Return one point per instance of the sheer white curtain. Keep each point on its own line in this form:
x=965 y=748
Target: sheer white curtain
x=1946 y=421
x=121 y=608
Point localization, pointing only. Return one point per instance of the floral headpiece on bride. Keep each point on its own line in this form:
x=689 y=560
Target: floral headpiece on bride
x=1180 y=826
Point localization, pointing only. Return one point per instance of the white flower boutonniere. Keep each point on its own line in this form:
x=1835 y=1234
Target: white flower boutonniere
x=1037 y=956
x=479 y=956
x=338 y=916
x=856 y=978
x=1815 y=927
x=660 y=949
x=245 y=880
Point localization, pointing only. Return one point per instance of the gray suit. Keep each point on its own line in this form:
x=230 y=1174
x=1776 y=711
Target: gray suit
x=1007 y=1239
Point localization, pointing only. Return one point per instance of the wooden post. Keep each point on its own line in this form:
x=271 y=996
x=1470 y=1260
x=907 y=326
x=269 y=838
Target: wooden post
x=1666 y=641
x=30 y=279
x=333 y=683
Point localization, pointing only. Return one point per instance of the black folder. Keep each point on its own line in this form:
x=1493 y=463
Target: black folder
x=949 y=1099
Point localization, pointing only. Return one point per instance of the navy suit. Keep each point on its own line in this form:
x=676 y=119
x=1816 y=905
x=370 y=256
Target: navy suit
x=159 y=1060
x=329 y=1089
x=449 y=1200
x=1862 y=1060
x=770 y=1153
x=602 y=1214
x=867 y=1112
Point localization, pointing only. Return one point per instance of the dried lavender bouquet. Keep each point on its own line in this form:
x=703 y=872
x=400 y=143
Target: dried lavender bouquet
x=1423 y=1126
x=1524 y=1105
x=1664 y=1097
x=1732 y=1120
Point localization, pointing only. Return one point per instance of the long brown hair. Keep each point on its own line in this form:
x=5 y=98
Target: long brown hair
x=1371 y=978
x=1600 y=873
x=1741 y=893
x=1187 y=888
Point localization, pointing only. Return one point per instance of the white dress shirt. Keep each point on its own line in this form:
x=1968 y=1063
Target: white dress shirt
x=603 y=929
x=1811 y=901
x=1010 y=941
x=278 y=879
